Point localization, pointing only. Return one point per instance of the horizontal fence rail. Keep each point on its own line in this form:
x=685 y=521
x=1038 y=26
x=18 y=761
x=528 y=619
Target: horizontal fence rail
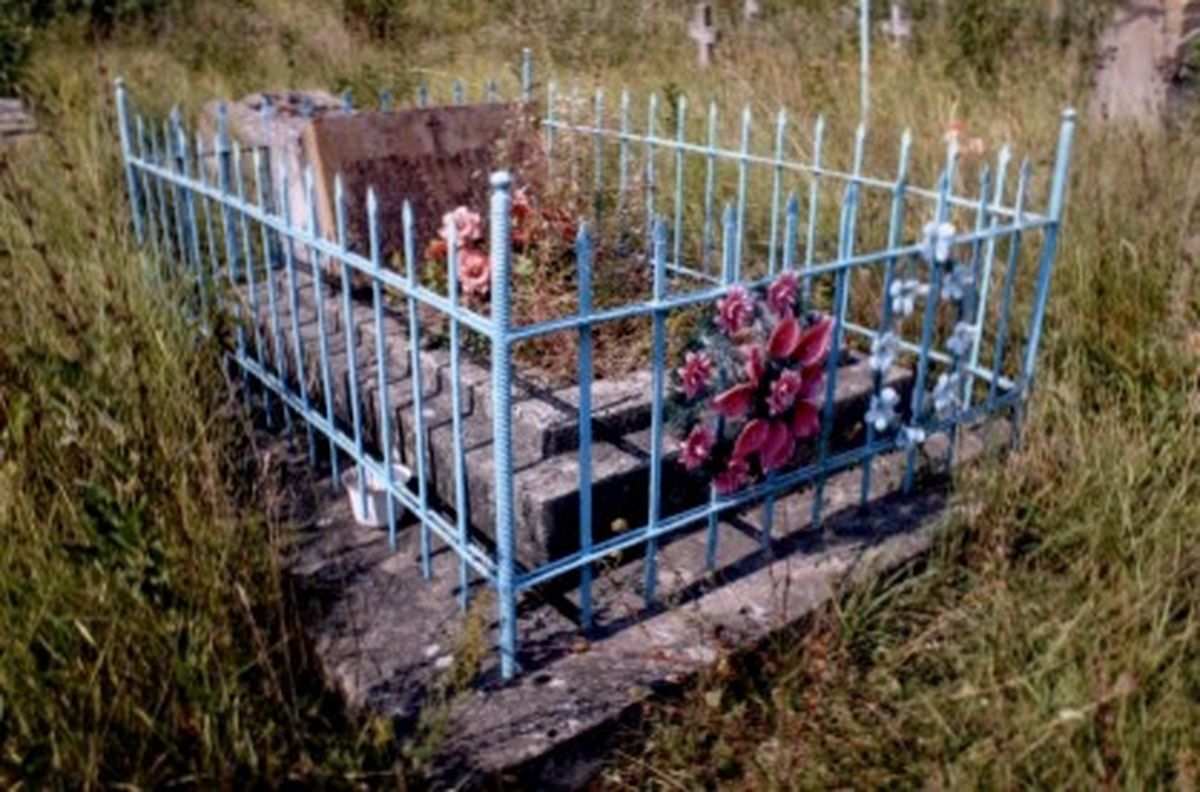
x=410 y=383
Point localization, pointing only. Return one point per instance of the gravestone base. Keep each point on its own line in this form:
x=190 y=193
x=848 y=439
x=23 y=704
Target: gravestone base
x=545 y=424
x=389 y=640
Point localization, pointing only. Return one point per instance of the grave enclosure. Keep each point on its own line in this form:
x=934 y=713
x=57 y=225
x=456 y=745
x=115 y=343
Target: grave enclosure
x=319 y=279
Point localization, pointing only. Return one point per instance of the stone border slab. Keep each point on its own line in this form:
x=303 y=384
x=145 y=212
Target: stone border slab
x=387 y=638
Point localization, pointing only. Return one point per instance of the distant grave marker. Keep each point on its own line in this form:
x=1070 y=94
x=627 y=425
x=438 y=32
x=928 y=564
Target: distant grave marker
x=437 y=159
x=703 y=31
x=15 y=121
x=751 y=10
x=897 y=26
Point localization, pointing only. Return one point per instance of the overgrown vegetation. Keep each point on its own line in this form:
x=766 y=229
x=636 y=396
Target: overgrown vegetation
x=20 y=20
x=1053 y=640
x=144 y=629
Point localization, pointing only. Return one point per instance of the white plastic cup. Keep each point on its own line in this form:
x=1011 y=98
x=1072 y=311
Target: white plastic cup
x=371 y=509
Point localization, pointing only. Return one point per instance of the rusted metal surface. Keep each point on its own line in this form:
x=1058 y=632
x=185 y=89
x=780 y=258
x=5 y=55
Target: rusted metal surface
x=436 y=159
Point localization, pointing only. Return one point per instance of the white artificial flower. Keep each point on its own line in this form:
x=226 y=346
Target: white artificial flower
x=883 y=351
x=958 y=283
x=882 y=412
x=939 y=242
x=911 y=437
x=946 y=398
x=904 y=294
x=961 y=340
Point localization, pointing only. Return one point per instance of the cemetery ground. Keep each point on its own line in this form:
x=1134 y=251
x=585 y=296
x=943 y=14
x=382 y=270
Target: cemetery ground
x=147 y=636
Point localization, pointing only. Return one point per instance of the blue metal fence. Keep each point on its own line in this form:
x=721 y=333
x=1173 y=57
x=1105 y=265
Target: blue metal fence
x=229 y=236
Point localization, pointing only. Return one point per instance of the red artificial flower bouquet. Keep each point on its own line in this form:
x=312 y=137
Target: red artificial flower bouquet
x=749 y=390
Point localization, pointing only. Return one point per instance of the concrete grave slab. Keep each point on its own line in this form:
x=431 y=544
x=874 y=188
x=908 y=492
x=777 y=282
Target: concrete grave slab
x=387 y=638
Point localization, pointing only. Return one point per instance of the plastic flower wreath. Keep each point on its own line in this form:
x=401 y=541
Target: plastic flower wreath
x=749 y=392
x=884 y=348
x=911 y=437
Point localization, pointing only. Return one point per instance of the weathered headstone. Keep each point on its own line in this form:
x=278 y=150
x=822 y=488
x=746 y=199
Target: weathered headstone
x=1184 y=26
x=436 y=159
x=281 y=136
x=897 y=26
x=751 y=10
x=1056 y=11
x=703 y=31
x=15 y=121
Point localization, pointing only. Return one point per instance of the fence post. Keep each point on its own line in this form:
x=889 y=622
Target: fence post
x=583 y=259
x=135 y=202
x=864 y=52
x=526 y=75
x=1058 y=190
x=500 y=230
x=223 y=151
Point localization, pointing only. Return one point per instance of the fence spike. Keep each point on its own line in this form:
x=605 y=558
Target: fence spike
x=583 y=258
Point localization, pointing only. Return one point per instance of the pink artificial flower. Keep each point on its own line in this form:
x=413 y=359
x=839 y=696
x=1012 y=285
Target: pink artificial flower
x=755 y=367
x=813 y=345
x=976 y=147
x=806 y=420
x=697 y=446
x=785 y=338
x=468 y=224
x=736 y=401
x=781 y=295
x=751 y=439
x=475 y=272
x=695 y=373
x=735 y=476
x=778 y=446
x=735 y=311
x=784 y=391
x=520 y=201
x=814 y=378
x=955 y=130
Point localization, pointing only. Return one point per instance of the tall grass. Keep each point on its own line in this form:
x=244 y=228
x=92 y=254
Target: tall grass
x=1053 y=639
x=144 y=628
x=145 y=634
